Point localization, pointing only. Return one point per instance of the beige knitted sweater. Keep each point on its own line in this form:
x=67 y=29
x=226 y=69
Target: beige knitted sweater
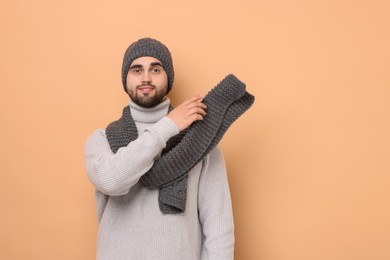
x=131 y=226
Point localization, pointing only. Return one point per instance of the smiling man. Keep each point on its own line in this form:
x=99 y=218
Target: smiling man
x=134 y=220
x=143 y=71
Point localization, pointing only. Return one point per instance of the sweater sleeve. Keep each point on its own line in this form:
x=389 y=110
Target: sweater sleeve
x=215 y=209
x=114 y=174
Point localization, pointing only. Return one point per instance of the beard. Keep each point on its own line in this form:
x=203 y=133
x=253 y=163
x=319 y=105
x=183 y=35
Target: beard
x=147 y=100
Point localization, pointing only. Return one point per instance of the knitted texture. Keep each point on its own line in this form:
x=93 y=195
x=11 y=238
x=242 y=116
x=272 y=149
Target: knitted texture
x=148 y=47
x=225 y=103
x=122 y=131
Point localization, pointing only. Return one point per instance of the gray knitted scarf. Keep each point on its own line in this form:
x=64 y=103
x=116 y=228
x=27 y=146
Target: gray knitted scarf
x=225 y=103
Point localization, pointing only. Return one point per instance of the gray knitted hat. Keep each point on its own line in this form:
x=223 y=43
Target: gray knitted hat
x=151 y=48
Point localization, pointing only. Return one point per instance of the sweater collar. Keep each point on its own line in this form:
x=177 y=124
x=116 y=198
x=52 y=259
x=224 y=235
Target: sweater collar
x=149 y=115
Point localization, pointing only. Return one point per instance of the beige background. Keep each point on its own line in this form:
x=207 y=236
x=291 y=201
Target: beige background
x=308 y=164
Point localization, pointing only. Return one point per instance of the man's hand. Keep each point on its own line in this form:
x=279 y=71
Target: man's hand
x=188 y=112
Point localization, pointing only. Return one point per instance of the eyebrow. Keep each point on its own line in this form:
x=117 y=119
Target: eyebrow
x=135 y=66
x=151 y=64
x=156 y=64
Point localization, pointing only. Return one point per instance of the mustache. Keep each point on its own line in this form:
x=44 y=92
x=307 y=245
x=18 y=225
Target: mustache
x=146 y=85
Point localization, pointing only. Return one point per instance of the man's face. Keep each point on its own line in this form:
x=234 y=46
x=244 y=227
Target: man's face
x=147 y=82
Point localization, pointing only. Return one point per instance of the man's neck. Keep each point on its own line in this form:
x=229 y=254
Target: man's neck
x=149 y=115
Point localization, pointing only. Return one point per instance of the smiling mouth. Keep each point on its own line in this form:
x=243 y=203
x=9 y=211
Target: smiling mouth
x=146 y=89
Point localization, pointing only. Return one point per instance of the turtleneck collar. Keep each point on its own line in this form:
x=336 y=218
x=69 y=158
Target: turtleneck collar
x=149 y=115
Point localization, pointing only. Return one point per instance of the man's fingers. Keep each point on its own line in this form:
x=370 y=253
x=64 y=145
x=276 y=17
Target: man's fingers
x=196 y=103
x=193 y=99
x=188 y=112
x=198 y=110
x=194 y=117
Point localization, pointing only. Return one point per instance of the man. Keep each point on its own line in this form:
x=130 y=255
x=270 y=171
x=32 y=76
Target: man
x=133 y=221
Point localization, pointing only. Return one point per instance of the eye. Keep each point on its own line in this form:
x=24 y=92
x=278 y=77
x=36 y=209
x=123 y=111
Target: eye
x=136 y=70
x=156 y=70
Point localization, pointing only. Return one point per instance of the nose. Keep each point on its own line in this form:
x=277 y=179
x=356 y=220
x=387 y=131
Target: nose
x=146 y=77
